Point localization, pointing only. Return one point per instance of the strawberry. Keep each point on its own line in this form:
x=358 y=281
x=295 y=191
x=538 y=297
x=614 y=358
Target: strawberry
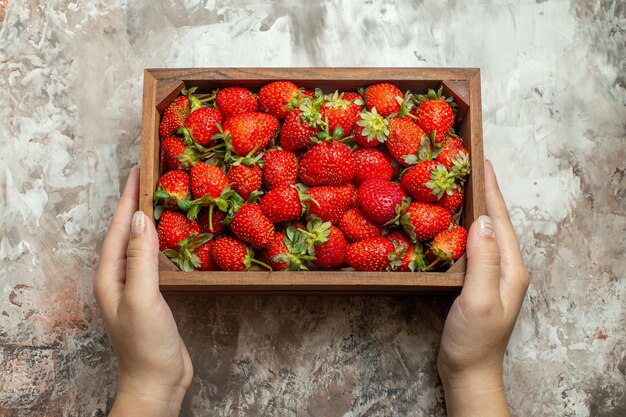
x=210 y=188
x=173 y=227
x=327 y=163
x=407 y=256
x=370 y=254
x=356 y=226
x=340 y=114
x=205 y=255
x=422 y=221
x=285 y=252
x=249 y=133
x=427 y=181
x=451 y=141
x=283 y=204
x=452 y=202
x=278 y=98
x=250 y=225
x=174 y=187
x=231 y=254
x=174 y=116
x=435 y=114
x=207 y=180
x=332 y=201
x=296 y=132
x=173 y=153
x=379 y=198
x=211 y=222
x=371 y=163
x=326 y=243
x=245 y=179
x=449 y=244
x=194 y=252
x=236 y=100
x=406 y=142
x=385 y=98
x=202 y=125
x=371 y=129
x=457 y=162
x=281 y=168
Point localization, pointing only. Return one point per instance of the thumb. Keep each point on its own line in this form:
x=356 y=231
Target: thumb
x=142 y=257
x=482 y=276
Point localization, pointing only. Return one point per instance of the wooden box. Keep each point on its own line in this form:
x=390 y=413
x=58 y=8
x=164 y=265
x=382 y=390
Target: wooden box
x=162 y=86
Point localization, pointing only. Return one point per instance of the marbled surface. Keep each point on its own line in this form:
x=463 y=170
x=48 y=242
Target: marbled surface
x=554 y=79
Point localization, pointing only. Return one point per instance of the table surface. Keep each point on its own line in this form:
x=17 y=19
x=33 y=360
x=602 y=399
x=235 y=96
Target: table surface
x=553 y=77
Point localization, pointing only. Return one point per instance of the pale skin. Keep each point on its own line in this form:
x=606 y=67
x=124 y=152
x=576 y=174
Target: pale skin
x=155 y=369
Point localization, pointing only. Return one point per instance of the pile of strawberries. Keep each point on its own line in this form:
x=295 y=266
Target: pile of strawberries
x=290 y=179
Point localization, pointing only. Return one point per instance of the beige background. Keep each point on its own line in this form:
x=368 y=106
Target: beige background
x=553 y=76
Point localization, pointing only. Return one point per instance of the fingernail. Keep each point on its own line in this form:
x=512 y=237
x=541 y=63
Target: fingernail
x=485 y=226
x=138 y=223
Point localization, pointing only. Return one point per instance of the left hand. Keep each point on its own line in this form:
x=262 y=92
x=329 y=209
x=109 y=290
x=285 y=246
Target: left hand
x=155 y=369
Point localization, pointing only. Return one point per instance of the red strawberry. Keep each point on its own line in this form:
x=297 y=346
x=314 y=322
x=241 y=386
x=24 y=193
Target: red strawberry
x=207 y=180
x=281 y=168
x=251 y=225
x=172 y=148
x=406 y=142
x=379 y=198
x=371 y=163
x=333 y=252
x=278 y=98
x=435 y=113
x=326 y=243
x=405 y=258
x=283 y=204
x=370 y=254
x=211 y=222
x=174 y=186
x=453 y=201
x=202 y=124
x=236 y=100
x=174 y=116
x=427 y=181
x=327 y=163
x=231 y=254
x=457 y=161
x=340 y=113
x=371 y=129
x=422 y=221
x=356 y=226
x=297 y=133
x=245 y=179
x=449 y=244
x=282 y=253
x=192 y=253
x=205 y=255
x=249 y=131
x=383 y=97
x=333 y=201
x=452 y=142
x=173 y=227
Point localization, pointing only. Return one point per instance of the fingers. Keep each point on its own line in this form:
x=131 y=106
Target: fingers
x=109 y=281
x=142 y=259
x=482 y=276
x=514 y=274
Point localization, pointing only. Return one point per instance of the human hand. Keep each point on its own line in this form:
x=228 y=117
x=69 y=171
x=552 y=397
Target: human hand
x=482 y=318
x=154 y=366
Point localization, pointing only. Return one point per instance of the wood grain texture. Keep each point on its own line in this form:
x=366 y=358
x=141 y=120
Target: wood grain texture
x=162 y=86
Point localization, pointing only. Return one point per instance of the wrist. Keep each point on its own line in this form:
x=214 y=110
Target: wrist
x=135 y=397
x=476 y=392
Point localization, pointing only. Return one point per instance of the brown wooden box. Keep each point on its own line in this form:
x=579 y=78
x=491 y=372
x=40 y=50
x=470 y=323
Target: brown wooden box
x=162 y=86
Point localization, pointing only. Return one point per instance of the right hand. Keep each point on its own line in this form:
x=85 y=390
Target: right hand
x=482 y=318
